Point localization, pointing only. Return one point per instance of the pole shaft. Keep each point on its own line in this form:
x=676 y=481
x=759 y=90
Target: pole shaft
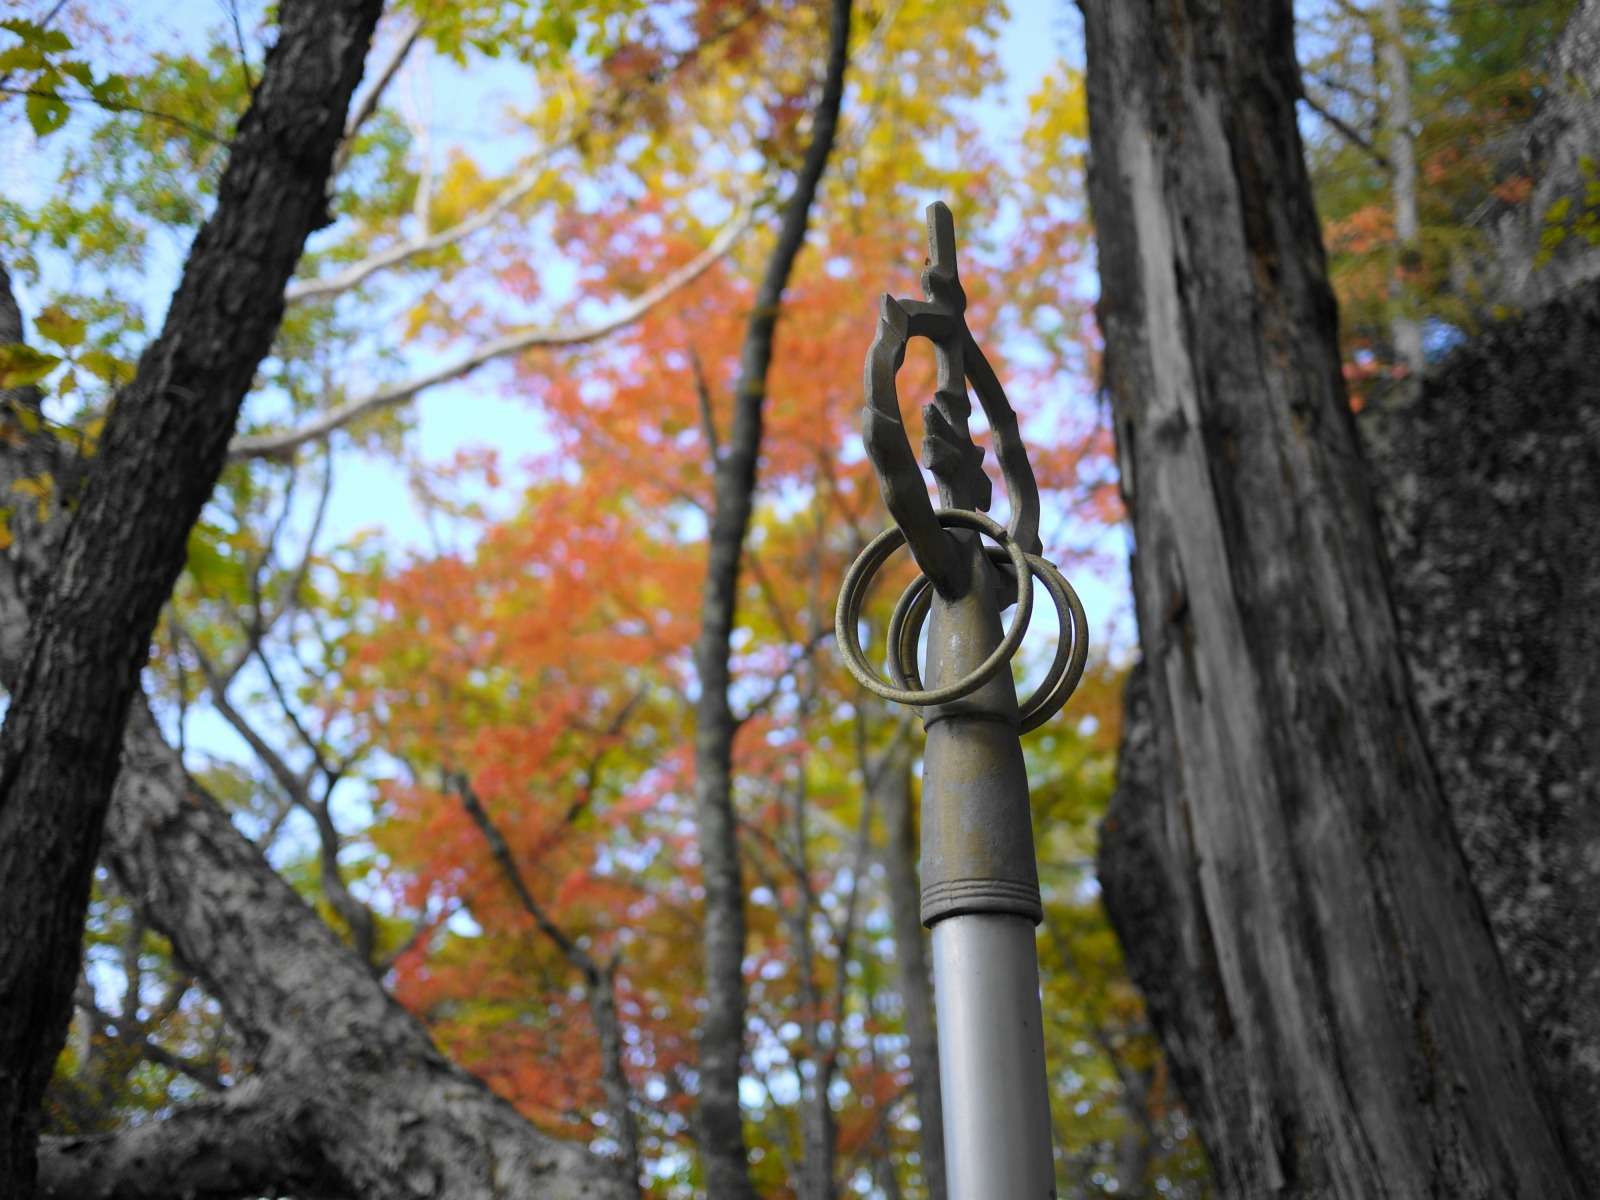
x=991 y=1059
x=980 y=897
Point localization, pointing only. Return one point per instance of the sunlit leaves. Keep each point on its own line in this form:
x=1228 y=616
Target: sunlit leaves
x=37 y=59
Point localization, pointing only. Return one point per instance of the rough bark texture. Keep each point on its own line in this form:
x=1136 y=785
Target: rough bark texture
x=394 y=1117
x=721 y=1037
x=900 y=853
x=1548 y=150
x=251 y=1143
x=1358 y=1033
x=1490 y=490
x=163 y=448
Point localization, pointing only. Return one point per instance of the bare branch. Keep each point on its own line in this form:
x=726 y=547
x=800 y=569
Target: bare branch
x=599 y=979
x=133 y=1033
x=359 y=272
x=702 y=391
x=1346 y=130
x=368 y=105
x=278 y=444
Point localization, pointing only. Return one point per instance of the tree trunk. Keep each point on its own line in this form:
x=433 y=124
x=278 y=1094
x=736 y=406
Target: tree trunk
x=252 y=1142
x=1401 y=150
x=1489 y=485
x=389 y=1116
x=900 y=852
x=163 y=447
x=1340 y=997
x=1534 y=259
x=721 y=1132
x=343 y=1087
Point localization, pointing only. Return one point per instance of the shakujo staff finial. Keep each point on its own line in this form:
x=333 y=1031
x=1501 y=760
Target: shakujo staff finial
x=957 y=463
x=980 y=883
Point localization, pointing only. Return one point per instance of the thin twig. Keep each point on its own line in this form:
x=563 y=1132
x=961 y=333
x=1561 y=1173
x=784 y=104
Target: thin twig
x=118 y=106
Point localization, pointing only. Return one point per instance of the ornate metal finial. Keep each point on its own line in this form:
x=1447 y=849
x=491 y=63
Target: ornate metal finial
x=980 y=879
x=964 y=492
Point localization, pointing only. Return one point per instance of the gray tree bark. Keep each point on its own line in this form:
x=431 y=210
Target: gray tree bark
x=380 y=1109
x=721 y=1035
x=253 y=1142
x=1489 y=486
x=1349 y=1026
x=163 y=448
x=1549 y=151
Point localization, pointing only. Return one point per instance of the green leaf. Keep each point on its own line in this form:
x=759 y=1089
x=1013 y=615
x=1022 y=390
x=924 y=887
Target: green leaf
x=21 y=365
x=108 y=367
x=46 y=113
x=57 y=325
x=112 y=91
x=21 y=58
x=51 y=41
x=77 y=70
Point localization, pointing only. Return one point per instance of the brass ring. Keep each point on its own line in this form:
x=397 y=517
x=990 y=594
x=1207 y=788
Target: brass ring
x=1066 y=668
x=853 y=592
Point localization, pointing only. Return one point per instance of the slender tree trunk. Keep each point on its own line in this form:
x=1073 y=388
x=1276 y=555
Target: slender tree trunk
x=902 y=846
x=1401 y=151
x=1357 y=1035
x=164 y=445
x=721 y=1132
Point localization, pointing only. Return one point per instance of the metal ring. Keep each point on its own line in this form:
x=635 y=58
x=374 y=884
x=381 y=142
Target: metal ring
x=853 y=591
x=1066 y=668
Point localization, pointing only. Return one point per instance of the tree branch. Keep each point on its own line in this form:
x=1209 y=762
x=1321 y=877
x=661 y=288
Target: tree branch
x=599 y=981
x=133 y=1033
x=722 y=1032
x=368 y=104
x=1349 y=132
x=268 y=445
x=251 y=1142
x=359 y=272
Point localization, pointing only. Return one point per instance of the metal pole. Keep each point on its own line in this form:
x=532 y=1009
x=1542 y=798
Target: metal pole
x=980 y=886
x=980 y=897
x=991 y=1058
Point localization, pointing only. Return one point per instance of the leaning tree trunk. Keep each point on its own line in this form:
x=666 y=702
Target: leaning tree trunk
x=721 y=1035
x=343 y=1092
x=1346 y=1010
x=346 y=1093
x=164 y=445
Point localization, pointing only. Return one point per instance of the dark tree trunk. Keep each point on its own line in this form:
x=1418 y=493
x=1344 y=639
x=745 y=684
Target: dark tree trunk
x=901 y=850
x=164 y=445
x=721 y=1036
x=1340 y=1010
